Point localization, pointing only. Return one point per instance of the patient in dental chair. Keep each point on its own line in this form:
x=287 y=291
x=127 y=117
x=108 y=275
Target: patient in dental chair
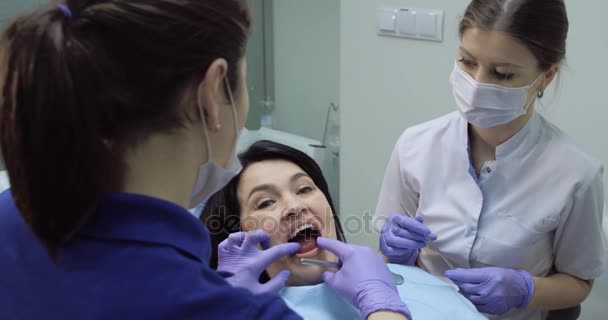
x=283 y=192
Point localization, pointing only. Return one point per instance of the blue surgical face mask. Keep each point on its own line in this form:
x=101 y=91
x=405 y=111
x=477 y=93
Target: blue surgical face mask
x=198 y=210
x=488 y=105
x=212 y=177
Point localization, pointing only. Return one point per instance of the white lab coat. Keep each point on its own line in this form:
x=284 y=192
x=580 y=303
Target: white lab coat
x=538 y=207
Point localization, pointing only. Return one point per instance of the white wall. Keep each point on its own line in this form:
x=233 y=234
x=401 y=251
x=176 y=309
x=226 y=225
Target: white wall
x=581 y=108
x=256 y=65
x=8 y=9
x=386 y=85
x=389 y=84
x=306 y=41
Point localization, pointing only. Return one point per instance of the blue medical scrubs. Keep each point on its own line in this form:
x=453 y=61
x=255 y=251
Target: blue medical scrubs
x=136 y=258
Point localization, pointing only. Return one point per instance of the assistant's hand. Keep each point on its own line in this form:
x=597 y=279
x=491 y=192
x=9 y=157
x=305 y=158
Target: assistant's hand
x=401 y=238
x=494 y=290
x=241 y=259
x=364 y=279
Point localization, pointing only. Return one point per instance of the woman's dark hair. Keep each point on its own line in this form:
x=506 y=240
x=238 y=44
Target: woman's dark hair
x=222 y=212
x=80 y=86
x=541 y=25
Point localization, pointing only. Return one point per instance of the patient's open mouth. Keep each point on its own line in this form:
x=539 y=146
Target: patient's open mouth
x=306 y=235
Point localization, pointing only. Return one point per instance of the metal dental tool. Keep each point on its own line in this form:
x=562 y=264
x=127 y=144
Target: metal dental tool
x=431 y=243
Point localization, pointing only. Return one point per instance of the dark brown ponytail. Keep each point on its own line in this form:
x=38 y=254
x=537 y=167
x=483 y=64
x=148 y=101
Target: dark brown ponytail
x=77 y=90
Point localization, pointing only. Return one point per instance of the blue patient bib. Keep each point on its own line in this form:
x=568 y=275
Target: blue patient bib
x=319 y=302
x=427 y=297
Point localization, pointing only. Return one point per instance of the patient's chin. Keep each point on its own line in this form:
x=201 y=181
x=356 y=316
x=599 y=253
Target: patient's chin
x=302 y=275
x=307 y=275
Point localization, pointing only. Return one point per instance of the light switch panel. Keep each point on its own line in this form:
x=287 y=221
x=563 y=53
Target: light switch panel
x=426 y=24
x=406 y=22
x=386 y=20
x=415 y=23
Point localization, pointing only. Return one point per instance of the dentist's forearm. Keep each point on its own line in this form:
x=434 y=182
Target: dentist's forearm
x=386 y=315
x=559 y=291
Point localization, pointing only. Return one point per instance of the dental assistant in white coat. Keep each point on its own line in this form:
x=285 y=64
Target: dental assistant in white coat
x=512 y=202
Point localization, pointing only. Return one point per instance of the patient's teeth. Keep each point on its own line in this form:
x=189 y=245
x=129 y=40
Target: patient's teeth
x=302 y=227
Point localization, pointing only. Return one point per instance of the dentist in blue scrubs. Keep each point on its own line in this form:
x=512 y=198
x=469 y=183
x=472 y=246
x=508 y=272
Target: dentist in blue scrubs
x=115 y=116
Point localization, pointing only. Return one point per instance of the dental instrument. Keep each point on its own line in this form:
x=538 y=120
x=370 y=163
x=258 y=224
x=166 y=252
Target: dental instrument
x=430 y=242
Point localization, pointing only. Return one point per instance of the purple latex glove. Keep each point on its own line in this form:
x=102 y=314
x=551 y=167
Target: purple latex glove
x=242 y=262
x=494 y=290
x=364 y=279
x=401 y=238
